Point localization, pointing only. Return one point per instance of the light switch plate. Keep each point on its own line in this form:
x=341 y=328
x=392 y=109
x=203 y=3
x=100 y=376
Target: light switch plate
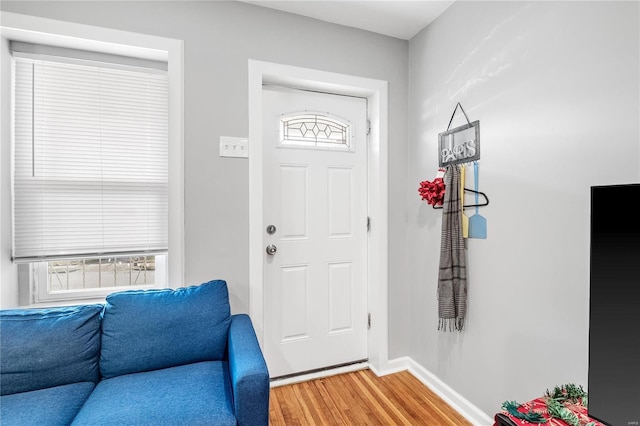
x=234 y=147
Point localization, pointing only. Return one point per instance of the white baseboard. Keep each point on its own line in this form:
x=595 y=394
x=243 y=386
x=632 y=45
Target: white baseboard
x=392 y=366
x=472 y=413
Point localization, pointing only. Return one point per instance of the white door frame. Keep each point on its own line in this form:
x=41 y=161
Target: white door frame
x=376 y=93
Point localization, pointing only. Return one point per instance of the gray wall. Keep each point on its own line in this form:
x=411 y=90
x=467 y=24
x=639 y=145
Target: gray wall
x=219 y=38
x=555 y=86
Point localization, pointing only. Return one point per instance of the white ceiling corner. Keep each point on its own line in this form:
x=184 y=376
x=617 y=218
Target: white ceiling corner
x=400 y=18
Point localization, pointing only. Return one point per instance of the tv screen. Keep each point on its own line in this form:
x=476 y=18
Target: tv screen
x=614 y=305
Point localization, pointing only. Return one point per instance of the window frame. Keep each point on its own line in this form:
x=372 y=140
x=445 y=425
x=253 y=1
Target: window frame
x=17 y=289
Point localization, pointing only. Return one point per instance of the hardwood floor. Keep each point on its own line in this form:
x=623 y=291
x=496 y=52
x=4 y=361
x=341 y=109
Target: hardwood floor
x=361 y=398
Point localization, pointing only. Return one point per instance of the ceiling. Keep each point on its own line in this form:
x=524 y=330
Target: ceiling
x=401 y=19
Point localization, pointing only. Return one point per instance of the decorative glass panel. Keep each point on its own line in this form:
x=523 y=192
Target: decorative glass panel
x=313 y=130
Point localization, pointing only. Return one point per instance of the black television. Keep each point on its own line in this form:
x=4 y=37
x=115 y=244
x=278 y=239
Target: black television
x=614 y=305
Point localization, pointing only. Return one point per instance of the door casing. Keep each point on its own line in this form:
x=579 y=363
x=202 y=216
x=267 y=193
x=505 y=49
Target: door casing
x=375 y=91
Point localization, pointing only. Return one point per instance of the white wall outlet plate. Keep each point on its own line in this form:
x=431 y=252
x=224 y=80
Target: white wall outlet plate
x=234 y=147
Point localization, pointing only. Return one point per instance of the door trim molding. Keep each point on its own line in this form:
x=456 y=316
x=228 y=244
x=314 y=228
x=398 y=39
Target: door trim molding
x=376 y=93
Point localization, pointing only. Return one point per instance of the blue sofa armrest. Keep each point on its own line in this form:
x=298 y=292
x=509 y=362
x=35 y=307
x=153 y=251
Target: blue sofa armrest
x=249 y=374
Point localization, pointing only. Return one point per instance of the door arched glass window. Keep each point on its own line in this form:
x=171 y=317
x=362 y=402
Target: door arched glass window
x=315 y=130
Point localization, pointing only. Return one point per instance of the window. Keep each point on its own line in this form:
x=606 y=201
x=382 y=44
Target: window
x=62 y=280
x=315 y=130
x=90 y=172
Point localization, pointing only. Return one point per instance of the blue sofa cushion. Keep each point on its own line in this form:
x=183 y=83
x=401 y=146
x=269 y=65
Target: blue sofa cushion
x=47 y=407
x=193 y=394
x=144 y=330
x=42 y=348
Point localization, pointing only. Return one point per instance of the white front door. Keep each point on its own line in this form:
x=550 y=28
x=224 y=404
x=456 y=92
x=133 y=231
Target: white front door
x=315 y=236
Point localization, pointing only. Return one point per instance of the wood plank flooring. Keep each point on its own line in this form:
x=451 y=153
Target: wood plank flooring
x=361 y=398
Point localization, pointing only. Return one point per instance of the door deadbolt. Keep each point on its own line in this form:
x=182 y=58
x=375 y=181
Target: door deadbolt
x=271 y=229
x=271 y=249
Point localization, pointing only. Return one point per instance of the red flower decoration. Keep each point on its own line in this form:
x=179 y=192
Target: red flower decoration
x=432 y=192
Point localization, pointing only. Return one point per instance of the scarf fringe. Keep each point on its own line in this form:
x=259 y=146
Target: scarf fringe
x=450 y=324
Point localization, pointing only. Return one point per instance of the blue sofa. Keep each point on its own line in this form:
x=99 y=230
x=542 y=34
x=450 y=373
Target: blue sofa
x=152 y=357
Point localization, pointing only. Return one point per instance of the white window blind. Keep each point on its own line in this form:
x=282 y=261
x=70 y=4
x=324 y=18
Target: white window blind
x=90 y=170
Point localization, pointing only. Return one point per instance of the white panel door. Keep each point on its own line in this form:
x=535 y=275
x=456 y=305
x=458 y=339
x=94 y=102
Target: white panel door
x=315 y=196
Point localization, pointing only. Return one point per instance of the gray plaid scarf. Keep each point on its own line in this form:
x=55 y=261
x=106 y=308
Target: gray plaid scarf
x=452 y=276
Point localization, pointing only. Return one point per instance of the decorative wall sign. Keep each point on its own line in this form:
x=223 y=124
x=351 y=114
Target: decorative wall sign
x=461 y=144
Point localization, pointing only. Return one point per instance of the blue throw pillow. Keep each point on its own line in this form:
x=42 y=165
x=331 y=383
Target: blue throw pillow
x=144 y=330
x=42 y=348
